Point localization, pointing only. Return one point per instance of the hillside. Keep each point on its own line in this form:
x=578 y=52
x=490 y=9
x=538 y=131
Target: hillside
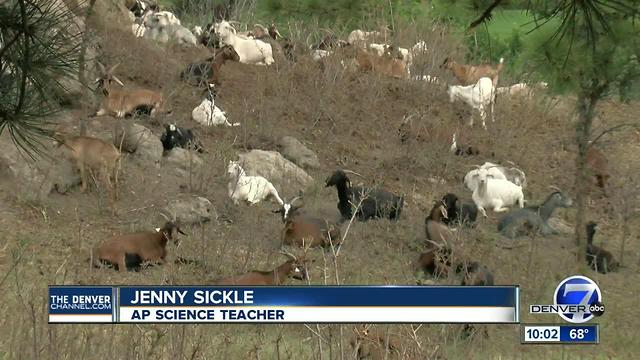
x=351 y=121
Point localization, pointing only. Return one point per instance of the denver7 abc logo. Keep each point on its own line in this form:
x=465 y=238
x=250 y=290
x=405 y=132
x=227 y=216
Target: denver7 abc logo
x=577 y=299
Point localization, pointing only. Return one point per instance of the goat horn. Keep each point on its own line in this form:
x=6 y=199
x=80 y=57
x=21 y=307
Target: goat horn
x=352 y=172
x=554 y=188
x=164 y=216
x=102 y=68
x=510 y=162
x=294 y=199
x=118 y=81
x=113 y=68
x=288 y=254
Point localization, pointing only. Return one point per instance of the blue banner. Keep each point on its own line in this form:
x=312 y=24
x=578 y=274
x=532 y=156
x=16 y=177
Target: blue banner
x=467 y=296
x=579 y=333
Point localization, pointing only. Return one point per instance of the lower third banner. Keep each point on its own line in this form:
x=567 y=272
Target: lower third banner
x=284 y=304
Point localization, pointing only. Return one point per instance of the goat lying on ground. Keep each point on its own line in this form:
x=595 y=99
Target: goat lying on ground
x=120 y=102
x=147 y=246
x=375 y=203
x=438 y=234
x=495 y=194
x=304 y=230
x=174 y=136
x=207 y=113
x=388 y=64
x=458 y=212
x=251 y=189
x=293 y=268
x=512 y=174
x=471 y=74
x=598 y=258
x=94 y=154
x=533 y=219
x=251 y=51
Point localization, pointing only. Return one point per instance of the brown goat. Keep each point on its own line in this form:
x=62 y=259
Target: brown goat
x=147 y=246
x=598 y=258
x=598 y=167
x=95 y=154
x=386 y=64
x=438 y=234
x=303 y=230
x=293 y=268
x=225 y=53
x=120 y=102
x=470 y=74
x=374 y=344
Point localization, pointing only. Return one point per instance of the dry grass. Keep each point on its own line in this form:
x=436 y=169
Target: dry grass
x=351 y=121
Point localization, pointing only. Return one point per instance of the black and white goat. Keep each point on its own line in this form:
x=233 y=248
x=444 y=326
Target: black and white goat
x=174 y=136
x=370 y=202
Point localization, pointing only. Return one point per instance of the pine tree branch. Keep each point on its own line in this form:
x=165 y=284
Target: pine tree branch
x=486 y=15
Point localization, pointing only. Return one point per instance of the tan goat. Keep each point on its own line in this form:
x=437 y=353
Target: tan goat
x=95 y=154
x=471 y=74
x=133 y=249
x=120 y=102
x=387 y=64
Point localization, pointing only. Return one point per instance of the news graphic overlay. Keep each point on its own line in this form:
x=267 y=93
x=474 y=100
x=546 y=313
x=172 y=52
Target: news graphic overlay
x=577 y=299
x=559 y=334
x=82 y=304
x=316 y=304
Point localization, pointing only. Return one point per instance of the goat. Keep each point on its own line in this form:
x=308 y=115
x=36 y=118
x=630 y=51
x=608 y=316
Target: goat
x=303 y=230
x=330 y=41
x=359 y=36
x=597 y=166
x=518 y=222
x=438 y=234
x=293 y=268
x=95 y=154
x=147 y=246
x=478 y=96
x=459 y=212
x=164 y=25
x=386 y=64
x=252 y=189
x=121 y=102
x=208 y=71
x=521 y=89
x=496 y=194
x=435 y=262
x=598 y=258
x=250 y=51
x=471 y=74
x=207 y=113
x=512 y=174
x=370 y=202
x=174 y=136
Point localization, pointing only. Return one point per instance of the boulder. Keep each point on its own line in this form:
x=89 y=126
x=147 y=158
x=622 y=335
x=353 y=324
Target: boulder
x=274 y=167
x=192 y=210
x=140 y=141
x=295 y=151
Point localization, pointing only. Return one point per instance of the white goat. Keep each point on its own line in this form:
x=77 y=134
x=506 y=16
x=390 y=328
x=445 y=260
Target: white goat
x=163 y=26
x=512 y=174
x=252 y=189
x=208 y=114
x=358 y=35
x=478 y=96
x=521 y=89
x=250 y=51
x=318 y=54
x=495 y=194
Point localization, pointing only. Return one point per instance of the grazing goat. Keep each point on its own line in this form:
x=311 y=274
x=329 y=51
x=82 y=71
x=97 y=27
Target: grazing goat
x=208 y=71
x=597 y=166
x=471 y=74
x=478 y=96
x=293 y=268
x=438 y=234
x=459 y=212
x=252 y=189
x=250 y=51
x=370 y=202
x=120 y=102
x=359 y=36
x=495 y=194
x=386 y=64
x=598 y=258
x=208 y=114
x=512 y=174
x=174 y=136
x=303 y=230
x=95 y=154
x=519 y=222
x=148 y=246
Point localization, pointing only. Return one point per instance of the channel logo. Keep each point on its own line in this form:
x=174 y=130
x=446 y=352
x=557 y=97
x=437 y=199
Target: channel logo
x=577 y=299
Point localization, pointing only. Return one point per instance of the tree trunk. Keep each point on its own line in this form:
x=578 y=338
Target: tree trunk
x=585 y=109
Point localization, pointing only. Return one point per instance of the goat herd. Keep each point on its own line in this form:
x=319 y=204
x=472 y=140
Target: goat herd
x=492 y=186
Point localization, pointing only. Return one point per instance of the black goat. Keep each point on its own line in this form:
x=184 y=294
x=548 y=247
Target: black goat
x=598 y=258
x=521 y=221
x=374 y=202
x=174 y=136
x=463 y=213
